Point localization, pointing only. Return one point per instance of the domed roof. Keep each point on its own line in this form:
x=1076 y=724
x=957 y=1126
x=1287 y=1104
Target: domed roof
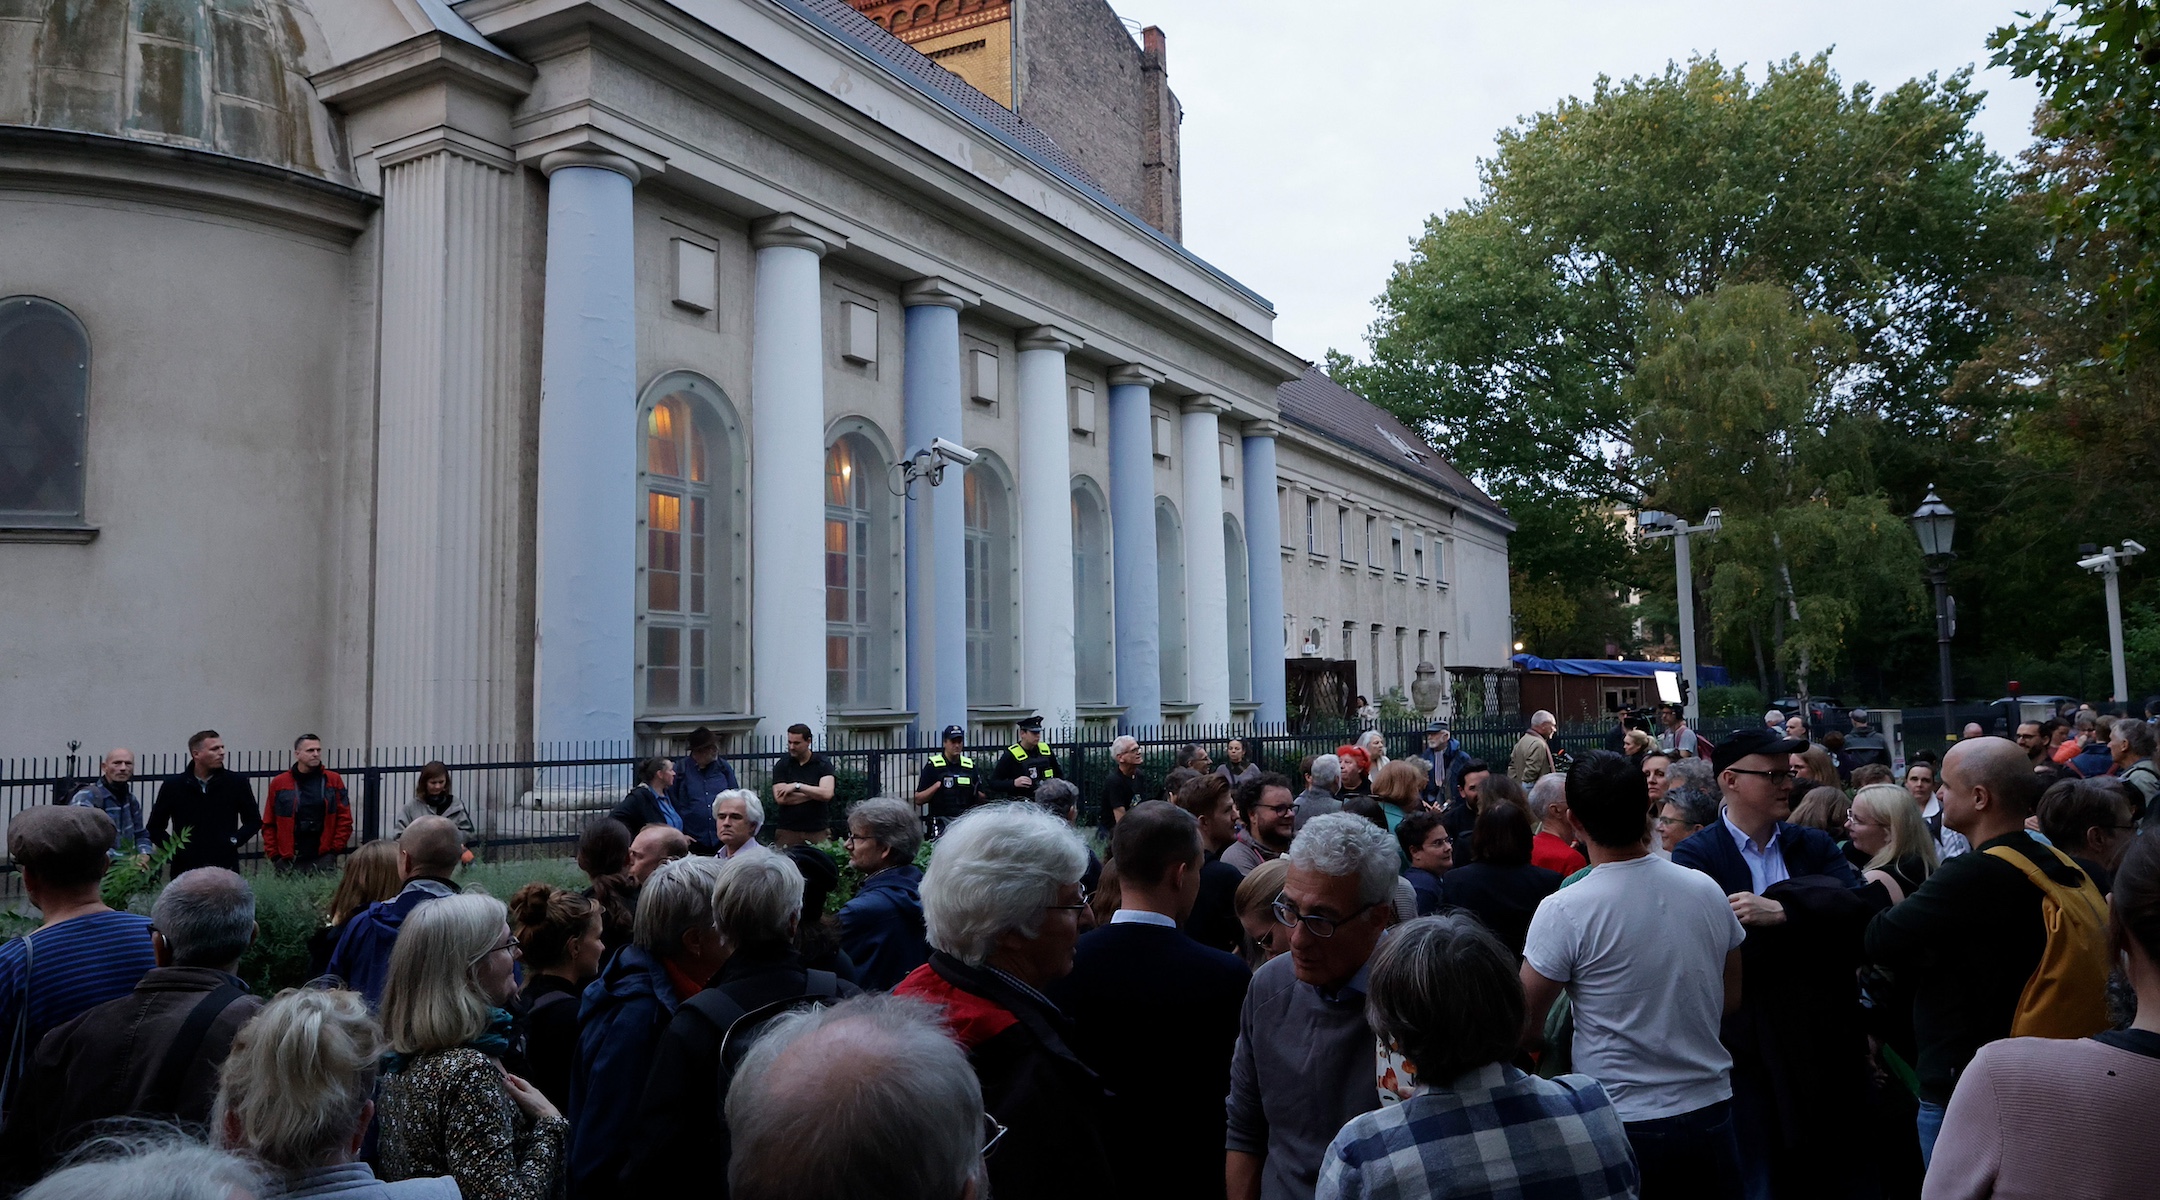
x=228 y=76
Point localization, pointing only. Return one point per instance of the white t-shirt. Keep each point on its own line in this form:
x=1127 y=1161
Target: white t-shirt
x=1641 y=946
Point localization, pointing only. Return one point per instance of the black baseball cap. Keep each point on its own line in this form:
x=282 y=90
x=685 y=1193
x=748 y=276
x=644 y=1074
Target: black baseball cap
x=1759 y=740
x=953 y=733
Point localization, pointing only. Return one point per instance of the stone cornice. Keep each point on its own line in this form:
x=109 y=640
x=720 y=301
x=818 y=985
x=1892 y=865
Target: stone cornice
x=132 y=171
x=572 y=142
x=1213 y=405
x=1136 y=375
x=432 y=57
x=1262 y=429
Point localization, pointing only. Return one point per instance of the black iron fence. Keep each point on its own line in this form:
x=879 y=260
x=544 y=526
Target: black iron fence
x=533 y=796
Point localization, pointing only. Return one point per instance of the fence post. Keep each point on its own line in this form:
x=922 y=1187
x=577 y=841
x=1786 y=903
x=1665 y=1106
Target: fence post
x=875 y=770
x=371 y=803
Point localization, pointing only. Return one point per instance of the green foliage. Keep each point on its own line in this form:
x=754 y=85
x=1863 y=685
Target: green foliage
x=2098 y=66
x=851 y=879
x=1394 y=706
x=131 y=877
x=1736 y=701
x=1511 y=333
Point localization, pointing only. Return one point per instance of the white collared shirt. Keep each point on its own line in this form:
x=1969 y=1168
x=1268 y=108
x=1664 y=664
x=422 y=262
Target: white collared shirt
x=1135 y=916
x=1765 y=864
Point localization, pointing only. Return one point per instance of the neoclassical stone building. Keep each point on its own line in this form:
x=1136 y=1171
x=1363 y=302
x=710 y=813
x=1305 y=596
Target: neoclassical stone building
x=420 y=373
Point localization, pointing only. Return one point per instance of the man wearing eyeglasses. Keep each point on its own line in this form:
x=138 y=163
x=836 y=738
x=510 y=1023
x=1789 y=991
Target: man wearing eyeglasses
x=1799 y=1056
x=1306 y=1061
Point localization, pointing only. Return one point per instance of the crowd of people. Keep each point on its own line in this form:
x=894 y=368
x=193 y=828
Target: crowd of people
x=1772 y=967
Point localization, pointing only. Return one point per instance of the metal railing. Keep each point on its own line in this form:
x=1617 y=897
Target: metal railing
x=545 y=794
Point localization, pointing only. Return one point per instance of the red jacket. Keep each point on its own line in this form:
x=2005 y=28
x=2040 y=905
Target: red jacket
x=1550 y=851
x=282 y=804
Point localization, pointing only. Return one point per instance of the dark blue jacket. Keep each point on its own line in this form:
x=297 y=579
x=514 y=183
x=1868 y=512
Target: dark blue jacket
x=620 y=1020
x=1807 y=852
x=2093 y=762
x=882 y=928
x=1430 y=896
x=693 y=793
x=362 y=956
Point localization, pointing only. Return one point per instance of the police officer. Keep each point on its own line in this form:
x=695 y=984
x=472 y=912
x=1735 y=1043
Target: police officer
x=1024 y=765
x=949 y=783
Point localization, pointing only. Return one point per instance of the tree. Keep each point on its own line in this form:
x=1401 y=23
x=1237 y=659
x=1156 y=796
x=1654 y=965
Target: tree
x=1511 y=332
x=1734 y=393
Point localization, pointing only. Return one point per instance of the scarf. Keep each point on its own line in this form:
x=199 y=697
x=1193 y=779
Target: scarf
x=494 y=1041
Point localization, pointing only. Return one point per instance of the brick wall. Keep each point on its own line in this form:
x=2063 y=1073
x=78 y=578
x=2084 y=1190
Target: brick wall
x=1088 y=85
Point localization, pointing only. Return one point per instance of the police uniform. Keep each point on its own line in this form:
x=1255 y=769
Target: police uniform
x=1018 y=760
x=959 y=786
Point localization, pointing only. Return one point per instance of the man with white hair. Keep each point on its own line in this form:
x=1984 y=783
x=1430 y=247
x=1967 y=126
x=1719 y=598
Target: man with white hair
x=1773 y=720
x=1123 y=788
x=1305 y=1061
x=738 y=816
x=147 y=1054
x=1323 y=783
x=1532 y=757
x=1002 y=904
x=1553 y=848
x=867 y=1097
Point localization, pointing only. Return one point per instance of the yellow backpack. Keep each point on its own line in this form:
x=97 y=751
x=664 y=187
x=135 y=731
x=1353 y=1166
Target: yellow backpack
x=2067 y=994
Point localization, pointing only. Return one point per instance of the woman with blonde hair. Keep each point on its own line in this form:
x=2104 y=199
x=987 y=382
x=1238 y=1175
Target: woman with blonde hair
x=294 y=1098
x=1814 y=766
x=370 y=874
x=1265 y=937
x=447 y=1106
x=1890 y=843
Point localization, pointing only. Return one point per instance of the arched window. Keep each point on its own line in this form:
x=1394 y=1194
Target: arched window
x=1239 y=609
x=692 y=598
x=1094 y=652
x=44 y=404
x=1170 y=594
x=989 y=558
x=859 y=575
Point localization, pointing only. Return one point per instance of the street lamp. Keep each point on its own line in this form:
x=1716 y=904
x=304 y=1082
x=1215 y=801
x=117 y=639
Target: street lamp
x=2109 y=563
x=1664 y=525
x=1935 y=524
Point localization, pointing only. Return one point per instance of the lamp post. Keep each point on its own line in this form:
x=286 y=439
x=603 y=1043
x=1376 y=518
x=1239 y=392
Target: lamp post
x=1664 y=525
x=1934 y=524
x=2109 y=563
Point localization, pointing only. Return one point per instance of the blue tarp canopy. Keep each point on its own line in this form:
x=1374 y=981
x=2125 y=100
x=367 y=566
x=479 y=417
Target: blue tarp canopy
x=1705 y=675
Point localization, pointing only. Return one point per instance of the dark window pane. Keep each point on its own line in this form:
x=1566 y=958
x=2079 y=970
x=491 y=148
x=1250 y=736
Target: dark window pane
x=44 y=385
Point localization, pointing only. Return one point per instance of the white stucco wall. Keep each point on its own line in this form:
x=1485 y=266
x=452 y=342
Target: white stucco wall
x=215 y=469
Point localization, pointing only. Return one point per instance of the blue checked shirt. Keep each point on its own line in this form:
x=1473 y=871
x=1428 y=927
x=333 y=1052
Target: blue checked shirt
x=1496 y=1133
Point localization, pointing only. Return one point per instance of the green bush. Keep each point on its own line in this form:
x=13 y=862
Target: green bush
x=1738 y=700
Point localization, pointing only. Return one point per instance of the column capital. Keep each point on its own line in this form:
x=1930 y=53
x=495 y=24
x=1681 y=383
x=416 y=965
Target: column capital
x=591 y=146
x=938 y=291
x=1050 y=337
x=794 y=229
x=1214 y=406
x=1261 y=429
x=1135 y=375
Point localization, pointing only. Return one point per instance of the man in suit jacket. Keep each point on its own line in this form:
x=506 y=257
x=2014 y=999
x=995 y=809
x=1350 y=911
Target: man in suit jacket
x=1798 y=1050
x=1155 y=1013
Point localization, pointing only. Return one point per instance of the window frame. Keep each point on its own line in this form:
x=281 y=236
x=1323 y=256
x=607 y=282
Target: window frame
x=70 y=523
x=725 y=620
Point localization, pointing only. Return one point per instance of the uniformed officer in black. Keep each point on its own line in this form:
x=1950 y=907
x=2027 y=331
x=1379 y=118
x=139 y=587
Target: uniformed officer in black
x=1024 y=764
x=949 y=783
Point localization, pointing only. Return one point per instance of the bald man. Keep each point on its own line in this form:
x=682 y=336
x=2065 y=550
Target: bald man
x=1968 y=940
x=113 y=794
x=428 y=853
x=654 y=847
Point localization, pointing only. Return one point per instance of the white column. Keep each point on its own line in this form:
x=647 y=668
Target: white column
x=449 y=425
x=936 y=516
x=1207 y=606
x=1263 y=571
x=787 y=475
x=1046 y=553
x=1132 y=545
x=585 y=666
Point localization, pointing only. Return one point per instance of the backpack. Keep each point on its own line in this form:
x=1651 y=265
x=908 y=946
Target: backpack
x=742 y=1032
x=2067 y=994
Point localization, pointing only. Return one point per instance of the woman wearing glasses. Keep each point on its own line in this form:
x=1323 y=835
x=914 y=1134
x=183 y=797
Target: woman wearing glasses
x=447 y=1107
x=1890 y=843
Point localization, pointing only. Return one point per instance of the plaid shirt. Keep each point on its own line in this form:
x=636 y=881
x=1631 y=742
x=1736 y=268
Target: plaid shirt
x=1496 y=1133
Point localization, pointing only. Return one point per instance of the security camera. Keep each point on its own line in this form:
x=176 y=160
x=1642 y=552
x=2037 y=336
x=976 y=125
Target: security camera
x=2129 y=548
x=1653 y=519
x=2097 y=562
x=957 y=455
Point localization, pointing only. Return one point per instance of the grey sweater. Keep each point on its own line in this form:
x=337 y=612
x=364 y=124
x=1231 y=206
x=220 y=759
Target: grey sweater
x=1304 y=1066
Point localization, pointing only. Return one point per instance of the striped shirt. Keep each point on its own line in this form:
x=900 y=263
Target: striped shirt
x=73 y=967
